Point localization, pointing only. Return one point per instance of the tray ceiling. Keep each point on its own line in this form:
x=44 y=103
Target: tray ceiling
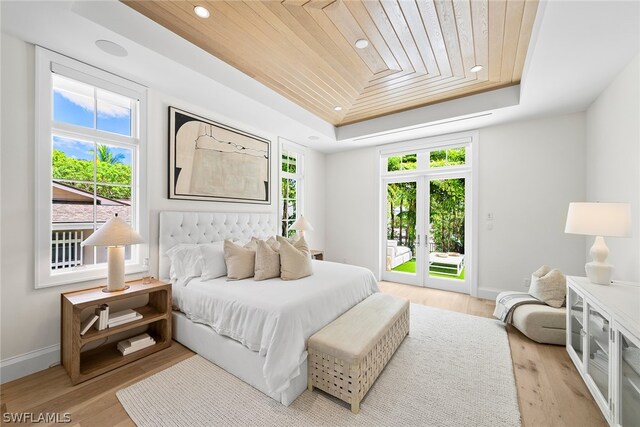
x=418 y=53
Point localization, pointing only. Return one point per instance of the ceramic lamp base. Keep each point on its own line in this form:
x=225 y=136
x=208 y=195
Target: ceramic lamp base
x=115 y=268
x=598 y=270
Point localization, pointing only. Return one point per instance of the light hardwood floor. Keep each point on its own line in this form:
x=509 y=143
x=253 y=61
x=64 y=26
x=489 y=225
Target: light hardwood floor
x=550 y=390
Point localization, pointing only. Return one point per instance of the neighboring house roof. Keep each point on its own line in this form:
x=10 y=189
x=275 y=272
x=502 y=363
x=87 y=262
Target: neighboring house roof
x=63 y=193
x=70 y=213
x=74 y=206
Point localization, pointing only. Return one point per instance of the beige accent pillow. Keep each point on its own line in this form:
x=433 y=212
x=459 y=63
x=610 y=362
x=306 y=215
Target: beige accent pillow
x=267 y=261
x=549 y=286
x=240 y=260
x=295 y=260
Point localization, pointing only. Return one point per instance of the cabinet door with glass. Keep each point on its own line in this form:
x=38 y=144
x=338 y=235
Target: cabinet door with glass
x=599 y=354
x=575 y=326
x=628 y=378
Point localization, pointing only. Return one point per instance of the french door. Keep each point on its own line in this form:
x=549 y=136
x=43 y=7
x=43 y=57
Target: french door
x=427 y=228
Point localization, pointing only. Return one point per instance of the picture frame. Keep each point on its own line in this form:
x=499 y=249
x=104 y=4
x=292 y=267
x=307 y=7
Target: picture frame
x=209 y=161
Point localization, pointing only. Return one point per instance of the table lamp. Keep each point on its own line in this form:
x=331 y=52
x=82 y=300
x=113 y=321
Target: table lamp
x=114 y=234
x=301 y=225
x=600 y=220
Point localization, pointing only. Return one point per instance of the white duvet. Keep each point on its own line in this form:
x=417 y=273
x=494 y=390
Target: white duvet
x=276 y=317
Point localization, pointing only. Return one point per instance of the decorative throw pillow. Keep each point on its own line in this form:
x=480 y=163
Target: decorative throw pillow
x=267 y=261
x=549 y=286
x=240 y=260
x=214 y=264
x=295 y=260
x=186 y=261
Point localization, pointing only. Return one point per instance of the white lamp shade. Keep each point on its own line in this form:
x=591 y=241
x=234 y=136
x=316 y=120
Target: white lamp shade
x=114 y=232
x=301 y=224
x=599 y=219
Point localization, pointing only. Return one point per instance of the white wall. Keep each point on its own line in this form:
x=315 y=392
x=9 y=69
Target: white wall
x=352 y=210
x=613 y=162
x=528 y=173
x=30 y=319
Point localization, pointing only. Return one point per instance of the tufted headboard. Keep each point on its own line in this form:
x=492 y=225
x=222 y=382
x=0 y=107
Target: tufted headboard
x=209 y=227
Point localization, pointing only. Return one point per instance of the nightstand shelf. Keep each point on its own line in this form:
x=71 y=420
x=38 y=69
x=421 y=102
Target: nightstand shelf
x=156 y=317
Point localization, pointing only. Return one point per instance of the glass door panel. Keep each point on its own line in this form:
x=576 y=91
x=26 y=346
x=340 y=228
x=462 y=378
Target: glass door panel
x=402 y=237
x=576 y=323
x=446 y=225
x=598 y=364
x=629 y=400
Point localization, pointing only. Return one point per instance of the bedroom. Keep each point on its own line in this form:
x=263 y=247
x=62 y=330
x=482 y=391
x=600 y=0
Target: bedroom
x=567 y=133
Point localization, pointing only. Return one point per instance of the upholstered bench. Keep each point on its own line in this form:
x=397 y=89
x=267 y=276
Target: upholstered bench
x=541 y=323
x=347 y=355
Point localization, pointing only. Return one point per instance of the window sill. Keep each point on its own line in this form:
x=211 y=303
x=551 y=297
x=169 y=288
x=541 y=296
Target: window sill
x=85 y=275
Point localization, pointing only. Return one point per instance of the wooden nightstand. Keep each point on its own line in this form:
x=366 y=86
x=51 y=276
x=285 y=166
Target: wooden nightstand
x=317 y=254
x=82 y=366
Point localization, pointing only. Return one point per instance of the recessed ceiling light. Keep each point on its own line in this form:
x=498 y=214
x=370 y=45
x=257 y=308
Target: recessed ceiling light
x=338 y=108
x=362 y=43
x=111 y=48
x=314 y=138
x=476 y=68
x=201 y=11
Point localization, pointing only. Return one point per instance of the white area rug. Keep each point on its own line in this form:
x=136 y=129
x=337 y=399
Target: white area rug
x=452 y=370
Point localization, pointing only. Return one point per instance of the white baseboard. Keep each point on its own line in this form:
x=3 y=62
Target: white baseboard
x=28 y=363
x=488 y=293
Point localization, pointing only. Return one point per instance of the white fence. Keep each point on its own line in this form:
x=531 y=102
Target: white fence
x=66 y=250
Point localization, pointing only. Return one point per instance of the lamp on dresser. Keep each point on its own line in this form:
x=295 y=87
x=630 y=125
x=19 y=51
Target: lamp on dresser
x=301 y=225
x=600 y=220
x=114 y=234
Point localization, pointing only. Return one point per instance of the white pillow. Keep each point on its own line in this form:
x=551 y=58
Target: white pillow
x=213 y=265
x=186 y=261
x=549 y=286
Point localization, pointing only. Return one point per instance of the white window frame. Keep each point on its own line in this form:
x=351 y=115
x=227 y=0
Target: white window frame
x=291 y=147
x=48 y=62
x=422 y=147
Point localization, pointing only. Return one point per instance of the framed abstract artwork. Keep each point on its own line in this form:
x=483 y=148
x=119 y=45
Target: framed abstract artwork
x=213 y=162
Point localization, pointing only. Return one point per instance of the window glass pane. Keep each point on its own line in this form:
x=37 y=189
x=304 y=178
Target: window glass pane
x=114 y=113
x=293 y=159
x=107 y=209
x=66 y=249
x=113 y=164
x=452 y=157
x=401 y=163
x=291 y=232
x=285 y=161
x=71 y=203
x=73 y=102
x=292 y=192
x=72 y=159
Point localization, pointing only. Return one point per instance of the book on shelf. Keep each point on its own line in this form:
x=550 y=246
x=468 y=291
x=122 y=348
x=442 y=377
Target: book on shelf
x=138 y=316
x=136 y=343
x=122 y=317
x=88 y=323
x=103 y=317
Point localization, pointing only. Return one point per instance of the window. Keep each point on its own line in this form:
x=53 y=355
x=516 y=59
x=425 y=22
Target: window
x=449 y=157
x=90 y=165
x=291 y=183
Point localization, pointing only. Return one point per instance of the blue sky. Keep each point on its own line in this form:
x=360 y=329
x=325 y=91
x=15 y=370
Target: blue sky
x=78 y=110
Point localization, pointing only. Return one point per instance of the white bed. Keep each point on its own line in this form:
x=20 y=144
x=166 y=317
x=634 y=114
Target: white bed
x=270 y=321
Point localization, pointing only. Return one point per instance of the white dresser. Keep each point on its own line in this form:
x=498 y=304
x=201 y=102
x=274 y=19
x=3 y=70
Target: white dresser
x=603 y=341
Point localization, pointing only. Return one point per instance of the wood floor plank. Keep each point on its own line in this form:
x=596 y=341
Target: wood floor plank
x=550 y=390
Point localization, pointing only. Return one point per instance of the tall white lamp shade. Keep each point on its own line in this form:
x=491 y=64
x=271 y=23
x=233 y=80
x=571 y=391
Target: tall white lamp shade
x=114 y=234
x=301 y=225
x=600 y=220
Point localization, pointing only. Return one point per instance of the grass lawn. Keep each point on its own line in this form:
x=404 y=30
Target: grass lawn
x=434 y=271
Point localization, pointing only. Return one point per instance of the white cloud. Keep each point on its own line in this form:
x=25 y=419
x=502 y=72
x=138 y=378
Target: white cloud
x=87 y=103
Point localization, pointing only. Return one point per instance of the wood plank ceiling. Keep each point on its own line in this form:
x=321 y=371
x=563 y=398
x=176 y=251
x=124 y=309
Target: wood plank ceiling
x=419 y=52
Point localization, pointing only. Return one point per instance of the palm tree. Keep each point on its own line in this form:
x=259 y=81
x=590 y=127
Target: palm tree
x=106 y=155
